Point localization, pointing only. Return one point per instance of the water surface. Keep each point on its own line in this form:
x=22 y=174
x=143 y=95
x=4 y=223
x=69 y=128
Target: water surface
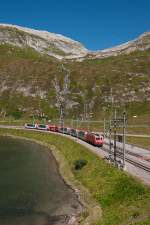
x=31 y=189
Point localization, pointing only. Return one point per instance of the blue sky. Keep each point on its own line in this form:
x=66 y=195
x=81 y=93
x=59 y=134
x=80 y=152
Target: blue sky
x=98 y=24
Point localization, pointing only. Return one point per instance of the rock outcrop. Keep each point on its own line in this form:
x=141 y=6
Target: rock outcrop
x=55 y=45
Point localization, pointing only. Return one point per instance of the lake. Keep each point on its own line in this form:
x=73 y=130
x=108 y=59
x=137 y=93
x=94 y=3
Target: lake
x=31 y=190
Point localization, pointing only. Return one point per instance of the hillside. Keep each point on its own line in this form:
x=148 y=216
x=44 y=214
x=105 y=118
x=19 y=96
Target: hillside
x=33 y=82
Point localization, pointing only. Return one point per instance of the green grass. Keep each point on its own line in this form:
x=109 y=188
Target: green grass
x=139 y=141
x=123 y=199
x=138 y=130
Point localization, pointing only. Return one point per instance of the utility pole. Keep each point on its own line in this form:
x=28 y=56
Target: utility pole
x=110 y=139
x=112 y=100
x=71 y=122
x=110 y=144
x=77 y=123
x=85 y=111
x=115 y=136
x=124 y=140
x=104 y=127
x=33 y=118
x=86 y=116
x=61 y=118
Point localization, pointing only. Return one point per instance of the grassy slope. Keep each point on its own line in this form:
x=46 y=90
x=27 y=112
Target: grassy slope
x=117 y=73
x=139 y=141
x=123 y=199
x=23 y=68
x=93 y=79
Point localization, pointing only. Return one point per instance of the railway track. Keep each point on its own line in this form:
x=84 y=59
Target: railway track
x=131 y=161
x=139 y=165
x=119 y=153
x=133 y=154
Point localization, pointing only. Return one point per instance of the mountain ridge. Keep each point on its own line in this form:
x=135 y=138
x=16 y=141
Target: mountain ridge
x=62 y=47
x=55 y=45
x=138 y=43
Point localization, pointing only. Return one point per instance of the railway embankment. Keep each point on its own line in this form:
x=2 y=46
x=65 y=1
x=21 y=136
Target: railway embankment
x=123 y=199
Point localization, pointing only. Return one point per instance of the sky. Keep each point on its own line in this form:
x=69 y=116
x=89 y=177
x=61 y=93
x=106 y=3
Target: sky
x=97 y=24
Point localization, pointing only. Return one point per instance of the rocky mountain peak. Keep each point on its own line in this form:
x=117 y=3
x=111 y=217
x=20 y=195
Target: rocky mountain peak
x=52 y=44
x=141 y=43
x=62 y=47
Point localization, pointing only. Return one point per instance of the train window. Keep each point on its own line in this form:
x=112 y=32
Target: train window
x=42 y=126
x=97 y=138
x=30 y=125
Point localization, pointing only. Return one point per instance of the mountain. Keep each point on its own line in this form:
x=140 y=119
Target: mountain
x=62 y=47
x=33 y=81
x=141 y=43
x=44 y=42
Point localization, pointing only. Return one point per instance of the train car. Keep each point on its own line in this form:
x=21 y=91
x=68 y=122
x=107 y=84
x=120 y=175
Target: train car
x=53 y=128
x=82 y=135
x=64 y=130
x=95 y=139
x=30 y=126
x=74 y=132
x=67 y=130
x=42 y=127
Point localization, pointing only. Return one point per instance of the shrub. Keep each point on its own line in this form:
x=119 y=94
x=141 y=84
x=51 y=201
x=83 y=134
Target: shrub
x=78 y=164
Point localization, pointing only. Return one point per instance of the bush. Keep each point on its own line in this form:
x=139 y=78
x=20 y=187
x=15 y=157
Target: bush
x=78 y=164
x=16 y=114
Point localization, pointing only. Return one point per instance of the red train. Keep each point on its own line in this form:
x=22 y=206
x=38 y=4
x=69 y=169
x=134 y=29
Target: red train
x=95 y=139
x=53 y=128
x=92 y=138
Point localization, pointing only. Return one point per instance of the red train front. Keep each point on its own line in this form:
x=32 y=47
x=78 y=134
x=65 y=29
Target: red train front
x=95 y=139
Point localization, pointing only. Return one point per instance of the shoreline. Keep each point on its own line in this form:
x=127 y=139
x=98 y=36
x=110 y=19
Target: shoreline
x=105 y=190
x=90 y=211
